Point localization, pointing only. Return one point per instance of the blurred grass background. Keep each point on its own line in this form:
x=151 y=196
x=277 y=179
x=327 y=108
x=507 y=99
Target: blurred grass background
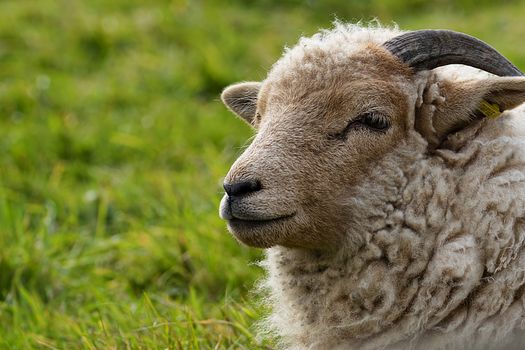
x=113 y=146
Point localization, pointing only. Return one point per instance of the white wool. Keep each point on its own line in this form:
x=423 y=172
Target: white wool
x=336 y=42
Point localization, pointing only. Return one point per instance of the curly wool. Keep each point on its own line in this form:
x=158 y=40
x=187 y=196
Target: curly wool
x=441 y=236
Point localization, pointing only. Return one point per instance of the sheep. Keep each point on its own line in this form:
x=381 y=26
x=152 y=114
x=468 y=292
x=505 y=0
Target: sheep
x=386 y=182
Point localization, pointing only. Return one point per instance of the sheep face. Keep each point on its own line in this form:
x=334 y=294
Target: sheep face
x=321 y=123
x=330 y=109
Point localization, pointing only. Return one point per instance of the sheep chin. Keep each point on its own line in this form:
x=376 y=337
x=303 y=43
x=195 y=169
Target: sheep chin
x=259 y=233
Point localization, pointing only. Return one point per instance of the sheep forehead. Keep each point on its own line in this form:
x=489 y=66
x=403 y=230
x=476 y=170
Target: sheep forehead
x=333 y=61
x=318 y=69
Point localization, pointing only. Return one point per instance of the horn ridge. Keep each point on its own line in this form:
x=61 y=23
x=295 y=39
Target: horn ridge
x=429 y=49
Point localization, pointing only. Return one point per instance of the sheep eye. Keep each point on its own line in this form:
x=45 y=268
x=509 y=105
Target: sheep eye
x=374 y=121
x=371 y=120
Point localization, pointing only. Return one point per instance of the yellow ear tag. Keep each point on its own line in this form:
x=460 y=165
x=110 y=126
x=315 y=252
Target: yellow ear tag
x=489 y=110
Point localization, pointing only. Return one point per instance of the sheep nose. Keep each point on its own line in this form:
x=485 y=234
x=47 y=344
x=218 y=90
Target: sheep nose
x=242 y=187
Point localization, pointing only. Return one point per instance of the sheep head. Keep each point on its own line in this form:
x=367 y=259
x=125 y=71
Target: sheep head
x=327 y=112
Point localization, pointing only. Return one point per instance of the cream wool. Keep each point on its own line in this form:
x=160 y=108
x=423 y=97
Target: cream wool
x=405 y=236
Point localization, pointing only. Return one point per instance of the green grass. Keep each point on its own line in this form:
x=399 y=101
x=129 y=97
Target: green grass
x=113 y=145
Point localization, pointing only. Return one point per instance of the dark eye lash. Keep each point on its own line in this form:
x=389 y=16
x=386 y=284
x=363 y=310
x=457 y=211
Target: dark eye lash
x=374 y=121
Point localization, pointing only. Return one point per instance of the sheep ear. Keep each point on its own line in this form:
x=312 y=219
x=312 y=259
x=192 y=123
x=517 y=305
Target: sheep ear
x=241 y=99
x=444 y=106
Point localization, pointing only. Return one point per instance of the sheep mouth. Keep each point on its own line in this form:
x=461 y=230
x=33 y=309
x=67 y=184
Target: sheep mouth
x=260 y=232
x=237 y=223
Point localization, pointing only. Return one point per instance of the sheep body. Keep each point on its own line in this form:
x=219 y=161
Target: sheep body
x=417 y=279
x=432 y=251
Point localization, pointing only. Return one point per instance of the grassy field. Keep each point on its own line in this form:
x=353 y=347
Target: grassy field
x=113 y=145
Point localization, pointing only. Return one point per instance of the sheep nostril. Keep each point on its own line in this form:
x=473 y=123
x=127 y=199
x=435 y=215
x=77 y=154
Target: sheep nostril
x=242 y=187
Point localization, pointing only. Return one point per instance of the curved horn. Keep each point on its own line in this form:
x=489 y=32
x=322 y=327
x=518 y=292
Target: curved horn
x=429 y=49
